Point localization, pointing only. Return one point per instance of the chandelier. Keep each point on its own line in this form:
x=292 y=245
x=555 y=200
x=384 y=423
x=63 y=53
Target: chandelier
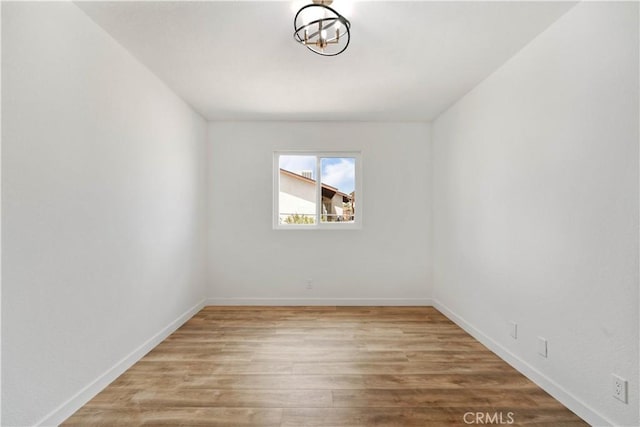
x=321 y=29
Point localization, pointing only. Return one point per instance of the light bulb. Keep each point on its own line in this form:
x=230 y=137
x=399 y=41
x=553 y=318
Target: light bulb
x=323 y=34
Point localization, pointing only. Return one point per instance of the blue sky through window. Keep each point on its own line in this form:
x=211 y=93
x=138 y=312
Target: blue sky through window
x=339 y=172
x=297 y=164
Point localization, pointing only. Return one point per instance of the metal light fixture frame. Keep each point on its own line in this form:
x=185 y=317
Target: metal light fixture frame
x=310 y=34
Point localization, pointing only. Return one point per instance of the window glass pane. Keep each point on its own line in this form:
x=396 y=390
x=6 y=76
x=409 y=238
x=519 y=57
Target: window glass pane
x=297 y=199
x=338 y=177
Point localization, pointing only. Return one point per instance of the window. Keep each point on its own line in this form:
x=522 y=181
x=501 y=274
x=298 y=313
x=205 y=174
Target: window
x=317 y=190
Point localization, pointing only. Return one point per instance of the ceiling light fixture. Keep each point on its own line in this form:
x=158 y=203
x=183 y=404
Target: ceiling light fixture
x=321 y=29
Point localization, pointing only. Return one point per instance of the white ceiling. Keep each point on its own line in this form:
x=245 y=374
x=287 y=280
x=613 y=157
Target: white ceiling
x=407 y=61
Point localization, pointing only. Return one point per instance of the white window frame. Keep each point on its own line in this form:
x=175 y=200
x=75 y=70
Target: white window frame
x=319 y=225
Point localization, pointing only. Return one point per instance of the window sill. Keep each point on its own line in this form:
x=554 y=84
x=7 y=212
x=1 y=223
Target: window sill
x=318 y=227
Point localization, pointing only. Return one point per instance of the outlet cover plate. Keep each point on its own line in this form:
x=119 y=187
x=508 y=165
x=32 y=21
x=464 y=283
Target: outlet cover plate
x=620 y=387
x=513 y=330
x=542 y=347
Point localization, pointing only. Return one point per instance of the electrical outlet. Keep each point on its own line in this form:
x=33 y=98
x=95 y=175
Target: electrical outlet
x=619 y=388
x=513 y=330
x=542 y=347
x=309 y=284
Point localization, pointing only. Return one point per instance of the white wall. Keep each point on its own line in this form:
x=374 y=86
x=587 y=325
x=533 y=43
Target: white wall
x=387 y=261
x=296 y=196
x=536 y=208
x=103 y=215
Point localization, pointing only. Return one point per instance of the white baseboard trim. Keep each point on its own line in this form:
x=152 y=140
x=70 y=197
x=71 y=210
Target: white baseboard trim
x=322 y=301
x=68 y=408
x=576 y=405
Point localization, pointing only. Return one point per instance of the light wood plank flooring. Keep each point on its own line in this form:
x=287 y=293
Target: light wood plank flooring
x=321 y=366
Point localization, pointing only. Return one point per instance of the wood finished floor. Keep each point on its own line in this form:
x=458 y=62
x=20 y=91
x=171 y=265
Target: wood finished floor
x=320 y=366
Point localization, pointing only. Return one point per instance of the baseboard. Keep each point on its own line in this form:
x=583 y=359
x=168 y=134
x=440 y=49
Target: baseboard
x=322 y=301
x=68 y=408
x=583 y=410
